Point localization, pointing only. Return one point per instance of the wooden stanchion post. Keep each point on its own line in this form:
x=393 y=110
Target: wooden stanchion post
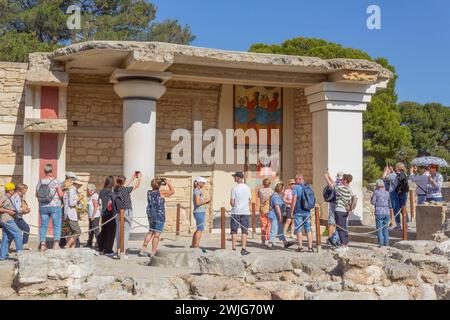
x=412 y=204
x=177 y=227
x=122 y=233
x=253 y=220
x=222 y=228
x=404 y=224
x=318 y=240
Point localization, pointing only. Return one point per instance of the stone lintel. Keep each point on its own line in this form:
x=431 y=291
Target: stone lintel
x=45 y=125
x=42 y=77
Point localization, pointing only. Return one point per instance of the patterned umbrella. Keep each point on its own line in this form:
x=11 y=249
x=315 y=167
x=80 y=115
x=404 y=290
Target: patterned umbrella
x=426 y=161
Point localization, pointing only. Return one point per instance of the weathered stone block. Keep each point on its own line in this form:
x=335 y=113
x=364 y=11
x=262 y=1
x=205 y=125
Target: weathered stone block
x=222 y=263
x=429 y=220
x=45 y=125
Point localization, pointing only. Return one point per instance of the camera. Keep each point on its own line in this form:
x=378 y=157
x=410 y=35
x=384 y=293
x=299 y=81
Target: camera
x=163 y=181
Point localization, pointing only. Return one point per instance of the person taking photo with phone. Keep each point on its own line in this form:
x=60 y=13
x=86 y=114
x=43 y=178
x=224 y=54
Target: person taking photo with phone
x=125 y=188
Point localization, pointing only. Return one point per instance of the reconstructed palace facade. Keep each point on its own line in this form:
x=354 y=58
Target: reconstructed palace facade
x=107 y=108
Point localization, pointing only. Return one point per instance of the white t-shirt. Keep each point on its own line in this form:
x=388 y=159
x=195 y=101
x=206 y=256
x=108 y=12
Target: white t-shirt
x=91 y=212
x=242 y=196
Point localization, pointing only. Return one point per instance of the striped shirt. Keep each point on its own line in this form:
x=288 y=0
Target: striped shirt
x=343 y=197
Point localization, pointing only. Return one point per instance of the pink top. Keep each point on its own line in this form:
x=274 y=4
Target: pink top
x=287 y=197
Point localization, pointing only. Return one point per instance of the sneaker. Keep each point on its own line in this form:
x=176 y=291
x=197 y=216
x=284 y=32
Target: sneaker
x=125 y=257
x=269 y=245
x=289 y=244
x=96 y=253
x=332 y=243
x=110 y=255
x=244 y=252
x=143 y=253
x=340 y=250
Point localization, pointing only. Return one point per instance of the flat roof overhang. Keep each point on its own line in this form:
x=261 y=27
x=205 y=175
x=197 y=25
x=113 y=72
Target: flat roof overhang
x=218 y=66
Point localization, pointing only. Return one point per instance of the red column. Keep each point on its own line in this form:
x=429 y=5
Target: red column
x=48 y=142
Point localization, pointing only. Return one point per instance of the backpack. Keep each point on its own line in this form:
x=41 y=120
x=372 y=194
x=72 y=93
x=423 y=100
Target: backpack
x=114 y=204
x=402 y=184
x=44 y=193
x=308 y=199
x=329 y=194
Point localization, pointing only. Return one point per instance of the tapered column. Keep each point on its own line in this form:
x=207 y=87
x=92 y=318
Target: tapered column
x=338 y=133
x=140 y=92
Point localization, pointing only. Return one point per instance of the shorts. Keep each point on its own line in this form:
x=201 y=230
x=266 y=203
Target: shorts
x=155 y=226
x=331 y=214
x=302 y=220
x=75 y=229
x=288 y=213
x=200 y=220
x=239 y=220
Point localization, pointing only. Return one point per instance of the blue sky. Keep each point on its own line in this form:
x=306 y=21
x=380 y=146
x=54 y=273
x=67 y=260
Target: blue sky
x=415 y=35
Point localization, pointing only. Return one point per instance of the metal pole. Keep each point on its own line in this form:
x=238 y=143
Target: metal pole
x=222 y=228
x=404 y=224
x=177 y=225
x=318 y=240
x=412 y=204
x=253 y=220
x=122 y=233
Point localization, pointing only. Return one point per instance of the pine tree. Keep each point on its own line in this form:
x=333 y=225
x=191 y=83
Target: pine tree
x=41 y=25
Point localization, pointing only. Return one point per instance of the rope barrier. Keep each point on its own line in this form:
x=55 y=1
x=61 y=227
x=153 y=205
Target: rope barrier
x=74 y=235
x=228 y=212
x=370 y=232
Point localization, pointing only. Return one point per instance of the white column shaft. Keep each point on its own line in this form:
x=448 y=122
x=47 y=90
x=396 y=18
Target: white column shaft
x=139 y=129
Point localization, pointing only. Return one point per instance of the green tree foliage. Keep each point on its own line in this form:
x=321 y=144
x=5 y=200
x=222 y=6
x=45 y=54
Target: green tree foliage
x=385 y=139
x=431 y=126
x=41 y=25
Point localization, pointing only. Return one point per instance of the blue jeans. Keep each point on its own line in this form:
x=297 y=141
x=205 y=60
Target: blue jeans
x=382 y=234
x=23 y=226
x=421 y=199
x=47 y=213
x=276 y=229
x=398 y=202
x=335 y=238
x=10 y=232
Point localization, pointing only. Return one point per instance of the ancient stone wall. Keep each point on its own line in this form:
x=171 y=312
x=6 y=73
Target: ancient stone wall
x=303 y=135
x=12 y=109
x=12 y=92
x=94 y=147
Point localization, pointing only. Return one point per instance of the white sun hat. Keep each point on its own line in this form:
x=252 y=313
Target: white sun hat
x=200 y=180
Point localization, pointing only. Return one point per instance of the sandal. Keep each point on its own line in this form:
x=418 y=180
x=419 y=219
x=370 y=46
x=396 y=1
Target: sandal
x=311 y=250
x=299 y=249
x=43 y=247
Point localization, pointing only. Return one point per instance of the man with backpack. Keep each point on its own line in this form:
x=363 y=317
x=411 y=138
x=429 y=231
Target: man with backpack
x=49 y=194
x=303 y=200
